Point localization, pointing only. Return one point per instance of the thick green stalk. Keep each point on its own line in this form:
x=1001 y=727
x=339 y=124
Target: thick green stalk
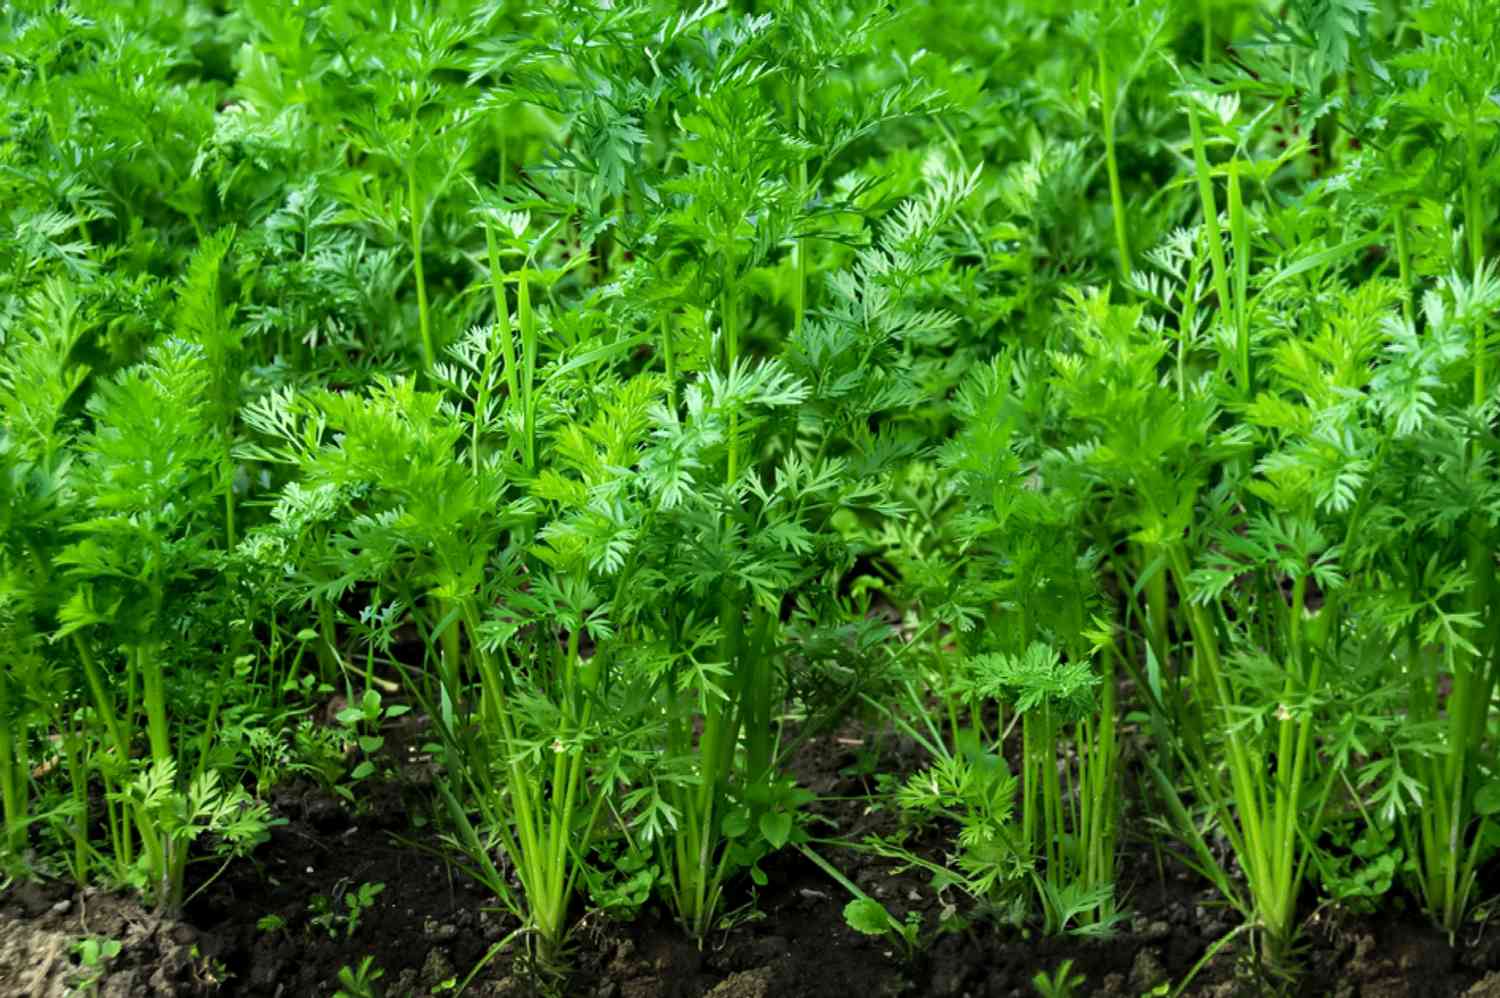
x=721 y=729
x=756 y=695
x=1188 y=322
x=153 y=690
x=540 y=848
x=1403 y=263
x=669 y=358
x=1210 y=210
x=1239 y=234
x=104 y=704
x=1474 y=206
x=1053 y=828
x=1097 y=801
x=329 y=662
x=1267 y=821
x=451 y=641
x=799 y=247
x=1156 y=606
x=560 y=758
x=507 y=342
x=730 y=305
x=229 y=534
x=1293 y=744
x=1205 y=15
x=166 y=857
x=1116 y=197
x=1029 y=810
x=12 y=780
x=526 y=849
x=424 y=323
x=78 y=783
x=1474 y=223
x=1214 y=693
x=1474 y=673
x=526 y=318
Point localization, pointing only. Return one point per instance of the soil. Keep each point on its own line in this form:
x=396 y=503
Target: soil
x=430 y=925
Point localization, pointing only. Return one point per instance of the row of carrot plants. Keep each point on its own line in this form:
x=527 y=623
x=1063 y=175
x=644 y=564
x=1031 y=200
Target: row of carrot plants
x=1101 y=397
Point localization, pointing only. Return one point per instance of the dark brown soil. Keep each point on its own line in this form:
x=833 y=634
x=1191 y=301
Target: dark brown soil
x=431 y=925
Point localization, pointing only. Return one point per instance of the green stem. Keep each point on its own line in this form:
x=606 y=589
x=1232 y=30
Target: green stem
x=1473 y=220
x=1291 y=760
x=1102 y=800
x=154 y=699
x=527 y=320
x=1116 y=197
x=799 y=247
x=423 y=321
x=451 y=640
x=1474 y=209
x=670 y=358
x=756 y=666
x=1156 y=609
x=229 y=534
x=1473 y=673
x=104 y=704
x=1403 y=262
x=12 y=778
x=1240 y=235
x=507 y=342
x=722 y=724
x=1210 y=210
x=1053 y=829
x=731 y=355
x=1188 y=322
x=73 y=758
x=1205 y=15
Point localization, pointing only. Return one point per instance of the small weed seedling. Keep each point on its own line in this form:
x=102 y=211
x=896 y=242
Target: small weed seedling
x=94 y=955
x=360 y=982
x=1061 y=983
x=331 y=918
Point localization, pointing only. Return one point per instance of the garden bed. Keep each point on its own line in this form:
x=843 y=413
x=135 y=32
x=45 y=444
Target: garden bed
x=749 y=498
x=431 y=925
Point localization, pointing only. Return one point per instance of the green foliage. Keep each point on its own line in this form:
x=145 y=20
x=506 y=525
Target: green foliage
x=1061 y=983
x=628 y=391
x=342 y=913
x=361 y=981
x=94 y=955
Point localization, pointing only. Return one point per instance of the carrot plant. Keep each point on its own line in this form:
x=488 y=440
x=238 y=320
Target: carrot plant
x=628 y=391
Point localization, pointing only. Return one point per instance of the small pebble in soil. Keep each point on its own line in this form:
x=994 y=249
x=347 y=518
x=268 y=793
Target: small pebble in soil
x=1147 y=970
x=441 y=931
x=745 y=984
x=437 y=967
